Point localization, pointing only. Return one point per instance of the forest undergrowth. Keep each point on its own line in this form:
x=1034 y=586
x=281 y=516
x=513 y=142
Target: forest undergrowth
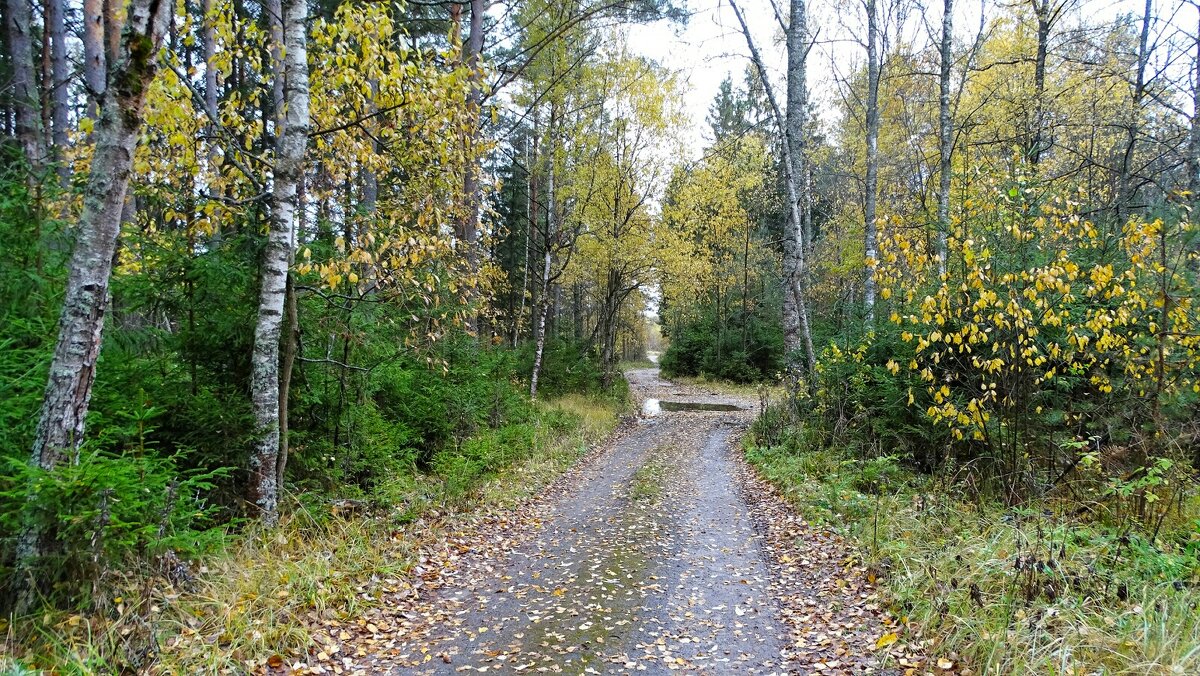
x=1097 y=572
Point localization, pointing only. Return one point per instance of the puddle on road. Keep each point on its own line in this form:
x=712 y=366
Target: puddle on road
x=653 y=407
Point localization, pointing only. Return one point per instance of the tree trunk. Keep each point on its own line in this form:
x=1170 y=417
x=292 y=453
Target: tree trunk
x=291 y=344
x=208 y=40
x=871 y=187
x=468 y=230
x=24 y=87
x=529 y=159
x=945 y=133
x=1126 y=190
x=797 y=111
x=291 y=143
x=544 y=305
x=791 y=179
x=1044 y=12
x=540 y=337
x=94 y=68
x=60 y=71
x=1194 y=139
x=73 y=368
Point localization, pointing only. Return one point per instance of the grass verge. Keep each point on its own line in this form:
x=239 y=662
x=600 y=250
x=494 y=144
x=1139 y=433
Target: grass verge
x=260 y=597
x=1039 y=589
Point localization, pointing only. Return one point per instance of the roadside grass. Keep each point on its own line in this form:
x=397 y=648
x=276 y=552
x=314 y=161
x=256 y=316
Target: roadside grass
x=270 y=591
x=628 y=364
x=1030 y=590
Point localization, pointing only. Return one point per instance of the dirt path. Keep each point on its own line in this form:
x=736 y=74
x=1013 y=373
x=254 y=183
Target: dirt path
x=656 y=557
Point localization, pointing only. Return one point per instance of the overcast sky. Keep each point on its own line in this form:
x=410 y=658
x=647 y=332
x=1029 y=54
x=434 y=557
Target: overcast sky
x=707 y=50
x=711 y=47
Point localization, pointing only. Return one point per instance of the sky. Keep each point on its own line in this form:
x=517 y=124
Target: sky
x=711 y=47
x=707 y=50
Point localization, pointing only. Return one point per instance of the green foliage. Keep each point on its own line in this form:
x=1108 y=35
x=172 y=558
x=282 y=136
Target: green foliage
x=568 y=366
x=745 y=349
x=1035 y=589
x=110 y=512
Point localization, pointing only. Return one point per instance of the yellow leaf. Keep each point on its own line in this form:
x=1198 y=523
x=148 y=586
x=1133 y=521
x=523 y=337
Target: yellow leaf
x=886 y=640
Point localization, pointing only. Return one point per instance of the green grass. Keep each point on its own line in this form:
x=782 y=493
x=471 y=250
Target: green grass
x=1034 y=590
x=268 y=592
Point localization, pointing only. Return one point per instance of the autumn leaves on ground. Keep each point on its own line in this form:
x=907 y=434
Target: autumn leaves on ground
x=660 y=549
x=325 y=330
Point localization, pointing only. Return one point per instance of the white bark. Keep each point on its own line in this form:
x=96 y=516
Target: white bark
x=871 y=188
x=544 y=305
x=73 y=368
x=95 y=74
x=945 y=133
x=290 y=146
x=791 y=179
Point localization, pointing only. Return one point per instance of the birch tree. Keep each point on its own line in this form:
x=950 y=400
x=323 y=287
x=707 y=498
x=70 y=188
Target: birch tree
x=871 y=178
x=290 y=145
x=794 y=242
x=945 y=131
x=73 y=368
x=792 y=250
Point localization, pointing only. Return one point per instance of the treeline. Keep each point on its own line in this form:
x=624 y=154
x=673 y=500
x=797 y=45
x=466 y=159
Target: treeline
x=266 y=255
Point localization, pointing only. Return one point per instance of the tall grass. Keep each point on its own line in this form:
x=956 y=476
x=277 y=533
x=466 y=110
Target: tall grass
x=1039 y=589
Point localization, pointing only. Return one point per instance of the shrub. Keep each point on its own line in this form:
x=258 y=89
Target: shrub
x=748 y=349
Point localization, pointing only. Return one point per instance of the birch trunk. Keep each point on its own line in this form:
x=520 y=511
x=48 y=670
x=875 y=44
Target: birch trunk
x=870 y=232
x=797 y=109
x=290 y=145
x=1126 y=190
x=26 y=110
x=791 y=180
x=544 y=306
x=94 y=61
x=945 y=133
x=73 y=368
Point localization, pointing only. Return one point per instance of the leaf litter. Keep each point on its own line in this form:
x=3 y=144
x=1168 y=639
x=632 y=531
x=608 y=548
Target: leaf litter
x=662 y=551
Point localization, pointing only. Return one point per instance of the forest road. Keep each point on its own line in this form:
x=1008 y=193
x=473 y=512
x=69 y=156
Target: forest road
x=650 y=561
